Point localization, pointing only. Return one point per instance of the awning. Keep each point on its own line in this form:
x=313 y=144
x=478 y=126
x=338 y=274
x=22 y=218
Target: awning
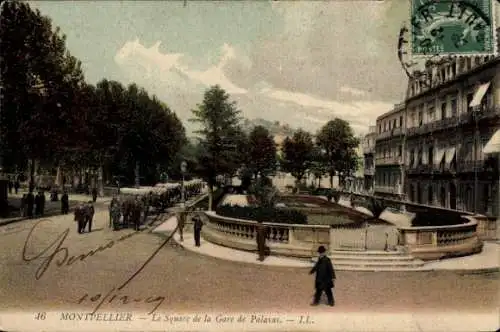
x=438 y=157
x=449 y=154
x=479 y=94
x=493 y=145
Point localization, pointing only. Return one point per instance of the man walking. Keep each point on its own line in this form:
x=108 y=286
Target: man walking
x=325 y=277
x=64 y=203
x=198 y=224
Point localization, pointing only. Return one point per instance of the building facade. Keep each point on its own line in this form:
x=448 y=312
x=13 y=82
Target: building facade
x=453 y=113
x=368 y=145
x=389 y=153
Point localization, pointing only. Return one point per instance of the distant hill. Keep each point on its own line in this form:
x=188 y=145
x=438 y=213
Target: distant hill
x=274 y=127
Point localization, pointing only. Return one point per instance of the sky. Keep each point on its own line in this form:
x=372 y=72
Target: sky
x=298 y=62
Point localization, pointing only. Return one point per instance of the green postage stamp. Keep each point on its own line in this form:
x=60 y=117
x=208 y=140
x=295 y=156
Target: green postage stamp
x=449 y=27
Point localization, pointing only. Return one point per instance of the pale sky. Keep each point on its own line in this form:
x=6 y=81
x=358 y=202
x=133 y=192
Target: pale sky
x=298 y=62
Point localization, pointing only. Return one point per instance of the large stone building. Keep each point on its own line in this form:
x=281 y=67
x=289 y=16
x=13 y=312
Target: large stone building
x=389 y=153
x=368 y=145
x=452 y=114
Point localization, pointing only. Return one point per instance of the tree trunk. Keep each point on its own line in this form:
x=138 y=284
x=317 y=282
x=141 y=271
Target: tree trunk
x=331 y=181
x=210 y=196
x=100 y=184
x=59 y=176
x=32 y=175
x=137 y=175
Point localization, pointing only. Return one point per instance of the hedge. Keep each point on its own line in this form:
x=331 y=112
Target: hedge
x=438 y=218
x=264 y=214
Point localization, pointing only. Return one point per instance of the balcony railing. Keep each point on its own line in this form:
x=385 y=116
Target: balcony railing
x=397 y=190
x=396 y=160
x=470 y=166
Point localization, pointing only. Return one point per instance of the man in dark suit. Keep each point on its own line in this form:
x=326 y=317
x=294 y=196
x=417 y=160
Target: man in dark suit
x=198 y=224
x=325 y=277
x=261 y=240
x=64 y=203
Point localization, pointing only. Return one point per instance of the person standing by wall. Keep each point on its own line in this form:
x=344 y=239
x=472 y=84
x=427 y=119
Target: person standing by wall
x=325 y=277
x=198 y=224
x=261 y=234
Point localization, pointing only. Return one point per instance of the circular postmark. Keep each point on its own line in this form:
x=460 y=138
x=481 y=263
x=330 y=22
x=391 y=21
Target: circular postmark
x=448 y=27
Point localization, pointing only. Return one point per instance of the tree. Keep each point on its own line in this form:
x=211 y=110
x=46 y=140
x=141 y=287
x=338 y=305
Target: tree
x=220 y=137
x=297 y=153
x=336 y=138
x=261 y=152
x=318 y=166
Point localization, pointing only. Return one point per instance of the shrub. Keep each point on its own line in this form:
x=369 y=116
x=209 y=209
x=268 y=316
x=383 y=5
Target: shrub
x=437 y=218
x=262 y=213
x=264 y=192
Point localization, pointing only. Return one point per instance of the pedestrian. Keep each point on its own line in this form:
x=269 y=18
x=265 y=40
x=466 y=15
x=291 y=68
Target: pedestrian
x=30 y=201
x=23 y=205
x=80 y=218
x=198 y=224
x=261 y=240
x=89 y=215
x=64 y=203
x=114 y=213
x=38 y=204
x=16 y=186
x=181 y=220
x=94 y=194
x=325 y=277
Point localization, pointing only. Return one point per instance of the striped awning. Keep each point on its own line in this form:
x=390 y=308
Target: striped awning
x=479 y=95
x=493 y=145
x=449 y=154
x=438 y=157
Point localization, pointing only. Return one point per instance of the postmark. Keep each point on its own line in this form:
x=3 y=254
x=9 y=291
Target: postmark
x=452 y=27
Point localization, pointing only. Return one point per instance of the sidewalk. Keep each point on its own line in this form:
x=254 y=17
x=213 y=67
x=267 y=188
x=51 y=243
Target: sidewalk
x=486 y=261
x=51 y=208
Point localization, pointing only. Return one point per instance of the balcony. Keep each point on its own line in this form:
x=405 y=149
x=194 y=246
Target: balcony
x=370 y=171
x=368 y=148
x=468 y=166
x=421 y=169
x=395 y=190
x=394 y=132
x=444 y=123
x=396 y=160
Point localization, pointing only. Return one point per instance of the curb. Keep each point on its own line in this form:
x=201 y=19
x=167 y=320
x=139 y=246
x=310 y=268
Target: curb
x=339 y=268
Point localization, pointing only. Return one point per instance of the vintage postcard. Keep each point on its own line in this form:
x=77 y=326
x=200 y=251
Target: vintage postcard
x=250 y=165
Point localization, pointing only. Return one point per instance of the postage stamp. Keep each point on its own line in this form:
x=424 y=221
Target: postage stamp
x=452 y=27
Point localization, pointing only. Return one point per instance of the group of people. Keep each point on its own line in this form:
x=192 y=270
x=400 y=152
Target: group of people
x=34 y=205
x=14 y=184
x=132 y=210
x=84 y=215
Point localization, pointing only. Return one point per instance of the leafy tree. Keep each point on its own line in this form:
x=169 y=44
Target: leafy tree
x=261 y=152
x=297 y=153
x=317 y=166
x=39 y=80
x=337 y=139
x=220 y=137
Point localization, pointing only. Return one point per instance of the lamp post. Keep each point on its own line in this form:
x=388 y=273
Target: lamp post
x=183 y=194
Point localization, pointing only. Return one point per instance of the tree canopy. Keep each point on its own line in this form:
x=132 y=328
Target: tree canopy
x=221 y=137
x=51 y=115
x=297 y=153
x=261 y=152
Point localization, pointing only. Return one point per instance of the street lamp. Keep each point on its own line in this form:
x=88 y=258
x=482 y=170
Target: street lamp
x=183 y=172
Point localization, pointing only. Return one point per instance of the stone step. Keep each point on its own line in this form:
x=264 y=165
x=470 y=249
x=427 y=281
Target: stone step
x=382 y=269
x=415 y=263
x=368 y=253
x=340 y=258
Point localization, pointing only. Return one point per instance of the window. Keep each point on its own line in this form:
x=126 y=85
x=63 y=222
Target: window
x=412 y=157
x=454 y=108
x=379 y=128
x=385 y=126
x=432 y=113
x=419 y=157
x=401 y=121
x=443 y=110
x=431 y=155
x=400 y=151
x=394 y=124
x=420 y=118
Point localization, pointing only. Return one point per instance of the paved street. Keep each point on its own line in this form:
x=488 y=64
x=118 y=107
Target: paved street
x=191 y=282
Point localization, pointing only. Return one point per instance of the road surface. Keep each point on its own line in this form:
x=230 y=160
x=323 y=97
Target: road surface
x=181 y=281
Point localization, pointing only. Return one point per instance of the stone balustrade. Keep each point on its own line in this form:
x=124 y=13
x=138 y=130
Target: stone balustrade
x=436 y=242
x=302 y=241
x=283 y=239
